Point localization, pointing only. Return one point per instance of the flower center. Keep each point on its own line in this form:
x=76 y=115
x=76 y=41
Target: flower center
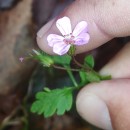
x=69 y=39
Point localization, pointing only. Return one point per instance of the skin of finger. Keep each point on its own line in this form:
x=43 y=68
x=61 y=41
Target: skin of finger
x=115 y=93
x=119 y=66
x=106 y=20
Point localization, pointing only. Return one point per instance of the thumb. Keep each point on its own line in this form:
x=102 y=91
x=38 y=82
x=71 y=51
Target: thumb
x=106 y=104
x=100 y=16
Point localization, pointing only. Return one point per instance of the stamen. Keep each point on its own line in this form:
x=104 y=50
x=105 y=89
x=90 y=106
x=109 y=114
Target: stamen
x=69 y=39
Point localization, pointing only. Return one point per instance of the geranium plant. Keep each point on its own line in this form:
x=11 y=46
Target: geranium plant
x=48 y=102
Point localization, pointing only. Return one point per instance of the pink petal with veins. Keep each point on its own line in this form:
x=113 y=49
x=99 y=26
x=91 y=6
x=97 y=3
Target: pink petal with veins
x=80 y=28
x=64 y=25
x=61 y=48
x=53 y=38
x=82 y=39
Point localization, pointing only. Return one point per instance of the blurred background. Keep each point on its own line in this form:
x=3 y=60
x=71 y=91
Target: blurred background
x=19 y=22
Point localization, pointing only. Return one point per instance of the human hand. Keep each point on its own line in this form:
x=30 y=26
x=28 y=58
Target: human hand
x=105 y=104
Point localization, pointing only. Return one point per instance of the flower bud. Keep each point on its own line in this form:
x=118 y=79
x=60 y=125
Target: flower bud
x=46 y=60
x=43 y=58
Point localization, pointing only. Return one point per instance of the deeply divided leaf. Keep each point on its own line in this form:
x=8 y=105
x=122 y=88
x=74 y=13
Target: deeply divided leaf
x=53 y=101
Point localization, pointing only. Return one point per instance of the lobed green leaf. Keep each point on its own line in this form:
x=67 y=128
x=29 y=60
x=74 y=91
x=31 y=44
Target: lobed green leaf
x=53 y=101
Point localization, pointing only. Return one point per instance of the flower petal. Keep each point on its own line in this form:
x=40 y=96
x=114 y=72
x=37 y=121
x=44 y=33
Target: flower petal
x=80 y=28
x=53 y=38
x=82 y=39
x=61 y=48
x=64 y=25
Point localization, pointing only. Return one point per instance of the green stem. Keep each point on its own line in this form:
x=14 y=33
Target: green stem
x=77 y=63
x=63 y=68
x=71 y=75
x=86 y=67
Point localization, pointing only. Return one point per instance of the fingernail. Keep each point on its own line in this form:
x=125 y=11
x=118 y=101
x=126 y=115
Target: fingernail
x=94 y=110
x=45 y=28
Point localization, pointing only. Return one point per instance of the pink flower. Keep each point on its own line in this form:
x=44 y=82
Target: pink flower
x=21 y=59
x=61 y=44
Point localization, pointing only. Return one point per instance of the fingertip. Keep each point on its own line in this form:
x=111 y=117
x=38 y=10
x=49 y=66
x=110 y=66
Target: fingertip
x=93 y=109
x=45 y=28
x=42 y=37
x=106 y=98
x=43 y=45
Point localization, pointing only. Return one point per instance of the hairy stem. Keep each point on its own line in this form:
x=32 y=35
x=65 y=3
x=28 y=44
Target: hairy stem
x=77 y=63
x=63 y=68
x=88 y=69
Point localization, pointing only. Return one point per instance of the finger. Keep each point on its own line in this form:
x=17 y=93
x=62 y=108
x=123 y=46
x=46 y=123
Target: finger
x=106 y=104
x=119 y=66
x=106 y=20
